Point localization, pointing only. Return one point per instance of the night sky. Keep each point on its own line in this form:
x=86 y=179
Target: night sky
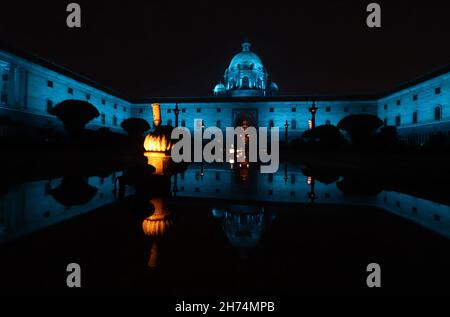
x=143 y=49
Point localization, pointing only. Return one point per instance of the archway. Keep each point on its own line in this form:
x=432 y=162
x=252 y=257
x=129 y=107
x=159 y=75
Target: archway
x=245 y=119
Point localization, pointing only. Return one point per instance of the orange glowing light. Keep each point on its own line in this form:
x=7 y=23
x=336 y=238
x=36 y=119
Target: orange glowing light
x=157 y=143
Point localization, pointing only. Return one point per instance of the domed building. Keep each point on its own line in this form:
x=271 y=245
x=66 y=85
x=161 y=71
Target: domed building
x=246 y=76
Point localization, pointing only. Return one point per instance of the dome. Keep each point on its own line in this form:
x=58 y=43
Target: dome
x=246 y=59
x=219 y=89
x=246 y=76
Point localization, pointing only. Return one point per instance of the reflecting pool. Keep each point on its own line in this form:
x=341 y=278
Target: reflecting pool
x=221 y=230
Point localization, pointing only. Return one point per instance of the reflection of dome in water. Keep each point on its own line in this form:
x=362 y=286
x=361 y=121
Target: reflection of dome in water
x=243 y=225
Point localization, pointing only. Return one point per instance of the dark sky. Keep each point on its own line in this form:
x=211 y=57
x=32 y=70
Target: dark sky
x=143 y=49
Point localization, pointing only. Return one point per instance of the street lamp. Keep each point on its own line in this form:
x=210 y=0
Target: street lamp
x=177 y=112
x=313 y=110
x=286 y=126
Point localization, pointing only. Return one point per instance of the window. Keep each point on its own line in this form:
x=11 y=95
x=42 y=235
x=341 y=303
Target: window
x=141 y=111
x=49 y=105
x=115 y=106
x=271 y=124
x=294 y=109
x=169 y=110
x=437 y=113
x=437 y=91
x=183 y=123
x=219 y=110
x=103 y=118
x=398 y=102
x=385 y=121
x=293 y=125
x=70 y=91
x=328 y=122
x=397 y=120
x=328 y=109
x=88 y=97
x=199 y=110
x=169 y=122
x=218 y=123
x=114 y=120
x=345 y=109
x=386 y=107
x=183 y=110
x=103 y=102
x=50 y=83
x=5 y=77
x=415 y=97
x=270 y=109
x=414 y=117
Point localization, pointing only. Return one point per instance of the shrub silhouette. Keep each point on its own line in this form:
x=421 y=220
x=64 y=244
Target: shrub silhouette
x=135 y=127
x=324 y=137
x=75 y=114
x=360 y=127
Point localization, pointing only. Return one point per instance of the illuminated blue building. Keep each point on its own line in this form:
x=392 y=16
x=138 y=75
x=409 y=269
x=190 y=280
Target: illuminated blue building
x=30 y=87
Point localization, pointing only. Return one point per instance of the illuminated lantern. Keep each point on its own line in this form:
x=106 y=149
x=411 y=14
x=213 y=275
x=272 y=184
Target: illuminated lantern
x=158 y=144
x=310 y=124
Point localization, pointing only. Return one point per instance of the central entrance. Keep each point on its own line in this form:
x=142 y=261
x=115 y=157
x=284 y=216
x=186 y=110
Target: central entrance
x=245 y=118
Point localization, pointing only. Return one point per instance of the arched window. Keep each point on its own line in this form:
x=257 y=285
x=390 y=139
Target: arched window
x=245 y=82
x=397 y=120
x=49 y=105
x=437 y=113
x=271 y=124
x=414 y=117
x=103 y=118
x=259 y=83
x=169 y=122
x=183 y=123
x=293 y=125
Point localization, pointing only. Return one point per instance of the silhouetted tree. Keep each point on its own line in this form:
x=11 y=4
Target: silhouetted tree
x=387 y=138
x=73 y=191
x=324 y=137
x=135 y=127
x=360 y=127
x=75 y=114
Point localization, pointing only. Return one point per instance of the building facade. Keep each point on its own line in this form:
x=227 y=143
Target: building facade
x=30 y=87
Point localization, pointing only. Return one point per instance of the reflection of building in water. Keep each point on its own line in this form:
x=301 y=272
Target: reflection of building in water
x=220 y=183
x=156 y=226
x=244 y=225
x=30 y=206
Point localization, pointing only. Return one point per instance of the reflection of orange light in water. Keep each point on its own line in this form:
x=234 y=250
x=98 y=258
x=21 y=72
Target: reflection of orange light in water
x=309 y=180
x=156 y=226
